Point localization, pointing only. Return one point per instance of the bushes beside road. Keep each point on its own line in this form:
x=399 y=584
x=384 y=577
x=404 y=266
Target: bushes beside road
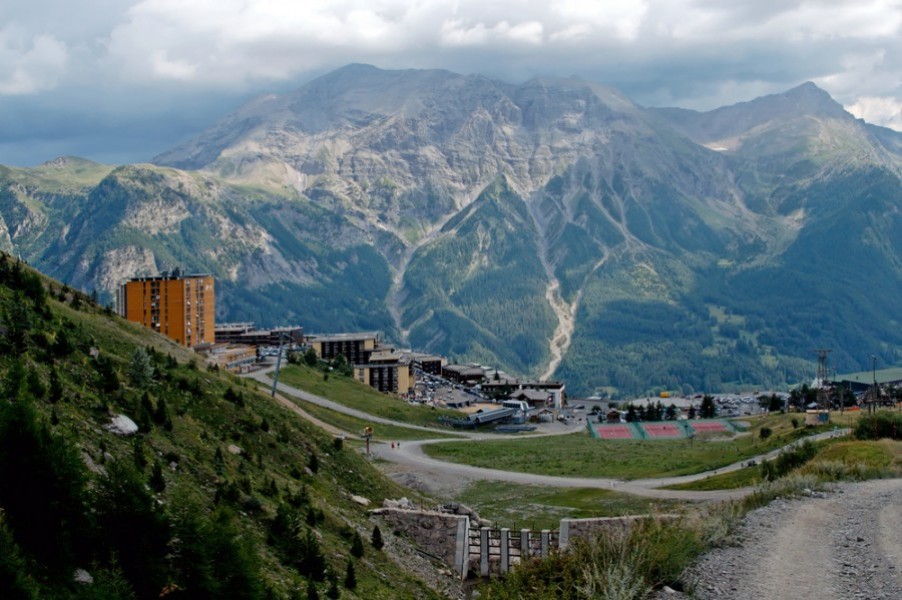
x=879 y=425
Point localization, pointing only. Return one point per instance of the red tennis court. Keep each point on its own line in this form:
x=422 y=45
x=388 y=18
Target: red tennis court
x=703 y=426
x=613 y=432
x=661 y=430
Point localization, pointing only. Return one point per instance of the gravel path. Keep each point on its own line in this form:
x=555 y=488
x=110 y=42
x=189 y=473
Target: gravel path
x=844 y=544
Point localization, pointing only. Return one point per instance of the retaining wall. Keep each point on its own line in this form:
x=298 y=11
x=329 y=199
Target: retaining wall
x=440 y=535
x=490 y=551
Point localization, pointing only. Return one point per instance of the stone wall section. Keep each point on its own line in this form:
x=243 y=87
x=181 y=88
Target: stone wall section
x=440 y=535
x=489 y=551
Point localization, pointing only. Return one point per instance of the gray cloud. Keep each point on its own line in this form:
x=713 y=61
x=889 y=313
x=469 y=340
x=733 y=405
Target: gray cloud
x=94 y=76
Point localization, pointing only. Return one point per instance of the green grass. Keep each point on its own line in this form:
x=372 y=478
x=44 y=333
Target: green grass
x=746 y=477
x=540 y=507
x=350 y=393
x=381 y=432
x=872 y=459
x=579 y=455
x=881 y=454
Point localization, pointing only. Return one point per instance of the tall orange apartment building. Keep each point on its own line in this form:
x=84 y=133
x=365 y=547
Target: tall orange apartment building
x=178 y=306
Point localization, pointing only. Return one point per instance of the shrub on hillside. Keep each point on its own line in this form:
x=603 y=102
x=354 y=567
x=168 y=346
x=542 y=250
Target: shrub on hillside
x=788 y=487
x=787 y=460
x=879 y=425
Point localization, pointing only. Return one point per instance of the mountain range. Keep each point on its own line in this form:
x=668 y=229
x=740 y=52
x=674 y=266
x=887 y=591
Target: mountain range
x=553 y=228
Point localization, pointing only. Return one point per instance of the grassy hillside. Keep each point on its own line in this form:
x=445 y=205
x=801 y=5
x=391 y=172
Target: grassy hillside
x=220 y=493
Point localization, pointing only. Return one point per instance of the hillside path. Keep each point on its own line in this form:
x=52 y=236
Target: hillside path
x=412 y=463
x=840 y=545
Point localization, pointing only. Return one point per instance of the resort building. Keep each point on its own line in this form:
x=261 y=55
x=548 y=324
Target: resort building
x=233 y=358
x=246 y=333
x=355 y=347
x=464 y=374
x=179 y=306
x=429 y=364
x=387 y=371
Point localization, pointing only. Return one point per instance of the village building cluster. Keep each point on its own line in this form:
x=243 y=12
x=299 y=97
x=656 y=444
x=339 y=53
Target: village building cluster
x=182 y=307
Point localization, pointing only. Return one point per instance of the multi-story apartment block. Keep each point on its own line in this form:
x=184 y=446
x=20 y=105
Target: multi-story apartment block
x=355 y=347
x=387 y=371
x=246 y=333
x=178 y=306
x=427 y=363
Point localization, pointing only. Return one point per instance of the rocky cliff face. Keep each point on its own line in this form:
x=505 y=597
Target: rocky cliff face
x=552 y=227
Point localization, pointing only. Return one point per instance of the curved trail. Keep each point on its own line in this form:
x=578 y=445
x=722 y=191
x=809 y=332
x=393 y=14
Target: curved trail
x=410 y=455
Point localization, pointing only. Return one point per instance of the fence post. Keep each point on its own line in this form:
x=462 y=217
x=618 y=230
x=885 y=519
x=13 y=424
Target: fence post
x=546 y=535
x=563 y=539
x=505 y=549
x=462 y=550
x=484 y=551
x=525 y=553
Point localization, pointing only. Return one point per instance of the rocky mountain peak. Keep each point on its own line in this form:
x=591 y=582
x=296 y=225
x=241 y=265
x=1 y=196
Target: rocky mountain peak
x=550 y=227
x=722 y=127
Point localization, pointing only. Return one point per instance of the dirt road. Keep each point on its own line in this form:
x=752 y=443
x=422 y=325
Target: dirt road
x=844 y=544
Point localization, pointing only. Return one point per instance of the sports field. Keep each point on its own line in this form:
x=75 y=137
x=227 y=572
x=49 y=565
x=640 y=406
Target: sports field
x=614 y=432
x=658 y=430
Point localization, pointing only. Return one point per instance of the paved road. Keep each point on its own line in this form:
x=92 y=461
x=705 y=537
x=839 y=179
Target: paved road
x=449 y=476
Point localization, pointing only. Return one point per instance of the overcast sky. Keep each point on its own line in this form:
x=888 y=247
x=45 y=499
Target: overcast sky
x=121 y=80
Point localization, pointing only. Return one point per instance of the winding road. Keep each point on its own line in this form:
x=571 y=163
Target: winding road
x=409 y=457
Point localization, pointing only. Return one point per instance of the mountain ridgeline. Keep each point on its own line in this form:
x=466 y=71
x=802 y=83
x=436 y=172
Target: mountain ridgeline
x=549 y=228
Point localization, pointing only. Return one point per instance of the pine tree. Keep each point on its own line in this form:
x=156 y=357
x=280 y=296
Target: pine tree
x=357 y=546
x=157 y=481
x=312 y=594
x=708 y=409
x=377 y=541
x=138 y=454
x=140 y=369
x=333 y=593
x=350 y=576
x=219 y=461
x=310 y=561
x=161 y=414
x=56 y=387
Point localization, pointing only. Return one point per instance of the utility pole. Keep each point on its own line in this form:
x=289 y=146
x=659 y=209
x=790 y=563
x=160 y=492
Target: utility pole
x=275 y=377
x=823 y=398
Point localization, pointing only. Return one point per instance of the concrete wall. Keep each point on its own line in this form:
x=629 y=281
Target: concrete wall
x=490 y=551
x=441 y=535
